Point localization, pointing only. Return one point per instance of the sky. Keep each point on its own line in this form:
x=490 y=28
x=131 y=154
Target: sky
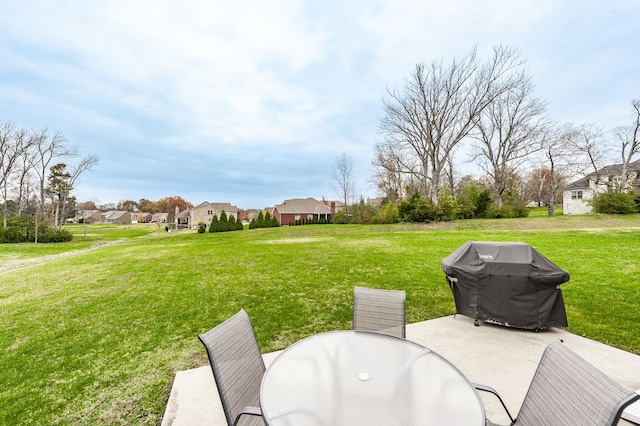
x=252 y=102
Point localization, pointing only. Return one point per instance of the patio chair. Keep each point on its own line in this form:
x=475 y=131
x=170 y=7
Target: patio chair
x=237 y=367
x=382 y=311
x=566 y=390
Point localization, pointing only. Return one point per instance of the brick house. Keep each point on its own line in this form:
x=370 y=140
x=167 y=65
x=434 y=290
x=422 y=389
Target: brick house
x=303 y=209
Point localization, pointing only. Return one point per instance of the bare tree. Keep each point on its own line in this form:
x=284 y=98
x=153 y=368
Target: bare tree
x=629 y=143
x=394 y=172
x=13 y=144
x=538 y=185
x=438 y=106
x=509 y=130
x=561 y=160
x=342 y=180
x=590 y=150
x=47 y=147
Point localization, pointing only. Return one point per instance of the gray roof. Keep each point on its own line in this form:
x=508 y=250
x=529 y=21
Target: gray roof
x=611 y=170
x=114 y=214
x=303 y=206
x=227 y=207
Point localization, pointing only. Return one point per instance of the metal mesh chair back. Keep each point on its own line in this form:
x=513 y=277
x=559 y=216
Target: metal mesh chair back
x=567 y=390
x=237 y=366
x=381 y=311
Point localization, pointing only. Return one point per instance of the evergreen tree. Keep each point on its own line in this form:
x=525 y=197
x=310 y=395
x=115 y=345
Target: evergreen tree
x=215 y=225
x=224 y=221
x=260 y=221
x=239 y=226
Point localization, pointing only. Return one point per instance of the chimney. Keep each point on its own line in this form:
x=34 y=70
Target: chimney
x=333 y=207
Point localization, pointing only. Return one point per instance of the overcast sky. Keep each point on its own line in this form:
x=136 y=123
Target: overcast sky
x=251 y=102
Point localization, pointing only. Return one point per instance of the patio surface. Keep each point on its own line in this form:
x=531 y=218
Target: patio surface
x=501 y=357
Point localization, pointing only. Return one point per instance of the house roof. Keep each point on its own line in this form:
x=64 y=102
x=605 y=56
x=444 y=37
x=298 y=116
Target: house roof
x=114 y=214
x=579 y=184
x=183 y=214
x=227 y=207
x=610 y=170
x=303 y=206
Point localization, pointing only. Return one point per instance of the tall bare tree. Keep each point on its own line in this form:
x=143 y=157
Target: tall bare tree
x=590 y=150
x=47 y=147
x=561 y=160
x=438 y=106
x=14 y=143
x=629 y=143
x=394 y=172
x=343 y=181
x=509 y=130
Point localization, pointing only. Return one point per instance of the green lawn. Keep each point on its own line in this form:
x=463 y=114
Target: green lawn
x=96 y=338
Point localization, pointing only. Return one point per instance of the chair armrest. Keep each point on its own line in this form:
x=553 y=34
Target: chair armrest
x=250 y=411
x=489 y=389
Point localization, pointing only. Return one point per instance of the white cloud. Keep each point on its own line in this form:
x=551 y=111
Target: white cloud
x=293 y=83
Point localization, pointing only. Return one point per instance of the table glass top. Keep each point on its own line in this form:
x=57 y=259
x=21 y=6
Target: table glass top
x=359 y=378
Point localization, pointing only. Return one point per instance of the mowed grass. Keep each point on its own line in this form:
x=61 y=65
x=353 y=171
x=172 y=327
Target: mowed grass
x=96 y=338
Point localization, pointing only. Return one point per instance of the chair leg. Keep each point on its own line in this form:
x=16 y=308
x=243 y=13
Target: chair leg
x=491 y=390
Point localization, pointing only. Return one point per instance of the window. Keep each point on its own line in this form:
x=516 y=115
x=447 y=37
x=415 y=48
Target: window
x=576 y=195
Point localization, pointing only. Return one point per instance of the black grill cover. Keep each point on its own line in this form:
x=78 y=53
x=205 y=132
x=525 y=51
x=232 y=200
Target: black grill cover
x=509 y=284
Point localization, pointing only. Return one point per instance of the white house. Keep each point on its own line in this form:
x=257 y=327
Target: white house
x=576 y=196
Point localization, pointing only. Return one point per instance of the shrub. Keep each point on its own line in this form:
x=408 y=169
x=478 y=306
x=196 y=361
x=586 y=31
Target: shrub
x=388 y=213
x=615 y=203
x=473 y=201
x=49 y=235
x=201 y=227
x=13 y=234
x=340 y=218
x=362 y=212
x=447 y=208
x=416 y=209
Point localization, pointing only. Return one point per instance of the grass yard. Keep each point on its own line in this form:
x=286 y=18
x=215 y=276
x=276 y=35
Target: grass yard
x=96 y=337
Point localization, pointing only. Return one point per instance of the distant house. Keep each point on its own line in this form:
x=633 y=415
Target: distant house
x=143 y=217
x=576 y=196
x=376 y=202
x=205 y=211
x=116 y=217
x=303 y=209
x=159 y=217
x=88 y=216
x=183 y=219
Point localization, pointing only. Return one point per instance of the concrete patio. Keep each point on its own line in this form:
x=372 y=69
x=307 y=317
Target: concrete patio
x=501 y=357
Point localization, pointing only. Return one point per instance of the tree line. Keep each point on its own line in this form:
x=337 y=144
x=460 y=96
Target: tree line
x=36 y=182
x=488 y=110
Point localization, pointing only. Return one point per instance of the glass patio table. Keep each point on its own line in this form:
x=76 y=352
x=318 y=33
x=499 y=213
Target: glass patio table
x=361 y=378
